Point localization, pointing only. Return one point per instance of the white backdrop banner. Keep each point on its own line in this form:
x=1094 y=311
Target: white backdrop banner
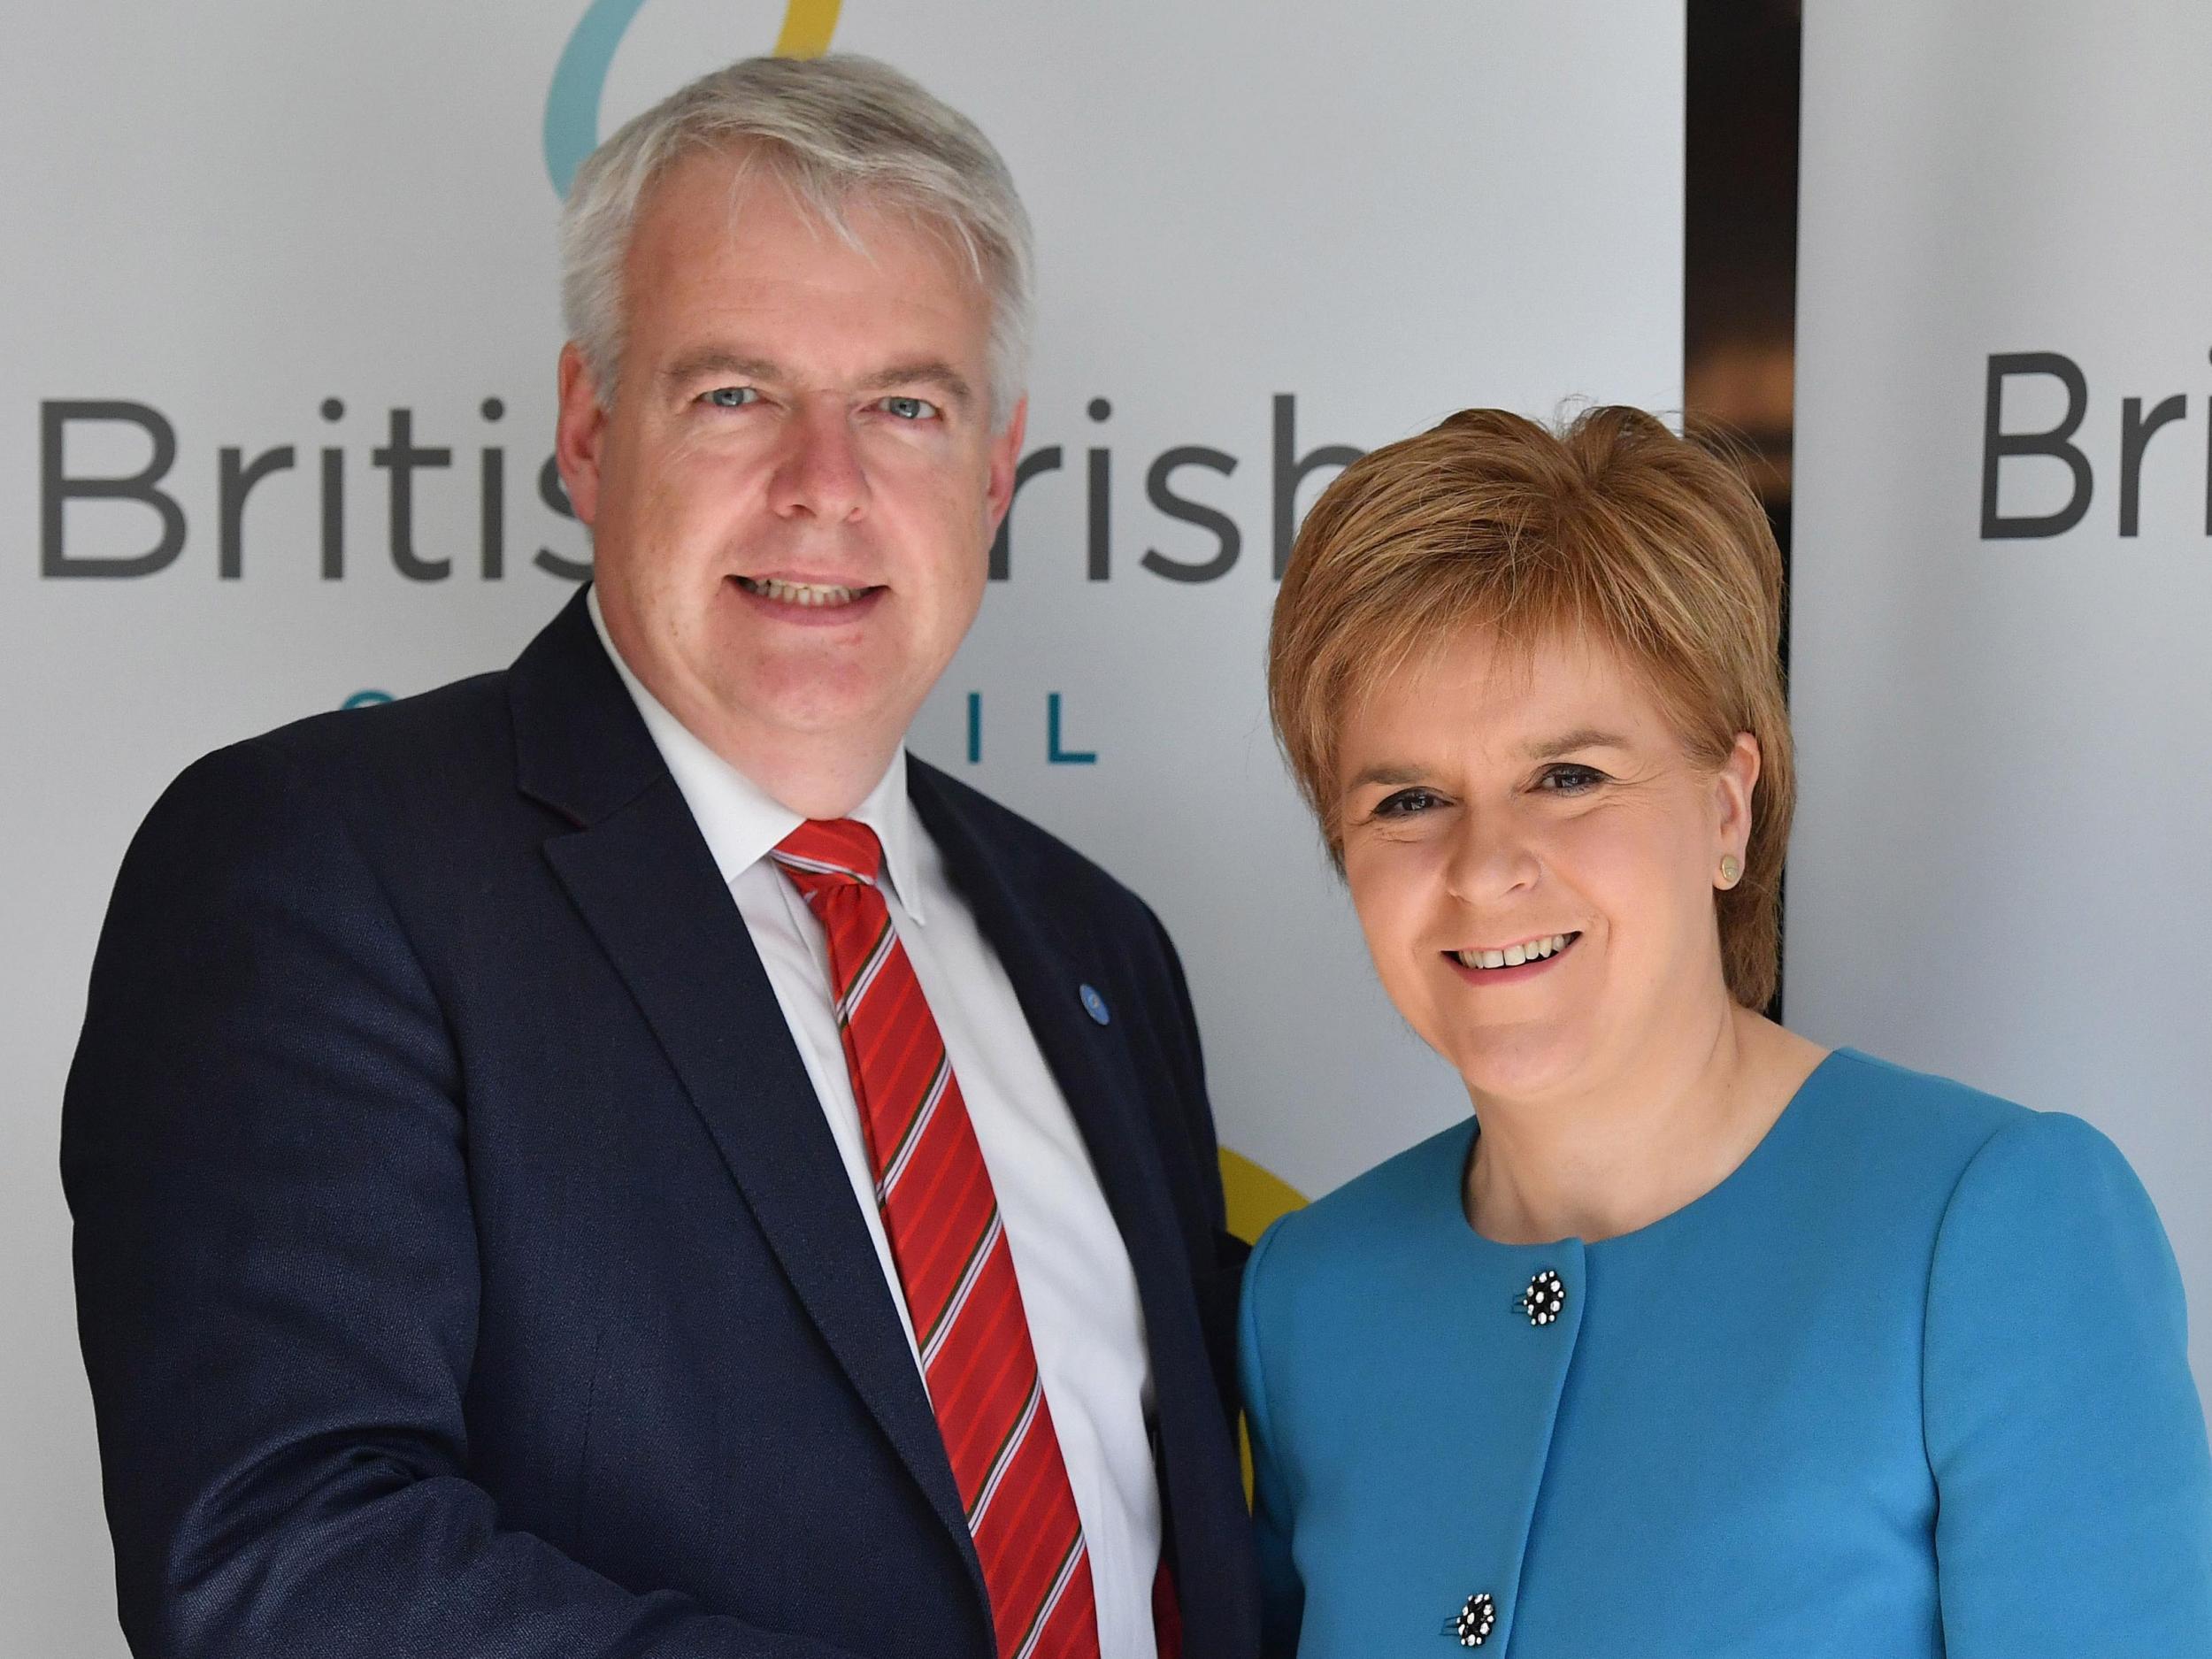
x=276 y=334
x=2003 y=584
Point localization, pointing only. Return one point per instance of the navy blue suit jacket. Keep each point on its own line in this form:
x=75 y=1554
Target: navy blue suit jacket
x=465 y=1265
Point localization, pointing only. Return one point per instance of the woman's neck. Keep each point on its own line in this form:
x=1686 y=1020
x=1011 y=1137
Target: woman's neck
x=1633 y=1148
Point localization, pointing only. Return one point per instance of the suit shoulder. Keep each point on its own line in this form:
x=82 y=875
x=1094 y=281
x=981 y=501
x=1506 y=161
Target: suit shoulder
x=2046 y=1169
x=1923 y=1116
x=394 y=746
x=1924 y=1150
x=464 y=715
x=371 y=766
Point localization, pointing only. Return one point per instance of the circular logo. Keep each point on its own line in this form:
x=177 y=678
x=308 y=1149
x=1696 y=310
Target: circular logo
x=572 y=103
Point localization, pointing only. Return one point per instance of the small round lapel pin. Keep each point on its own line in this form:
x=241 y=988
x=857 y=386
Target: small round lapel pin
x=1094 y=1004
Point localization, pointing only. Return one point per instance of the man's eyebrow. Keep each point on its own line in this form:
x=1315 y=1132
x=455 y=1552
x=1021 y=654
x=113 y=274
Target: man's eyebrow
x=922 y=371
x=718 y=360
x=1567 y=742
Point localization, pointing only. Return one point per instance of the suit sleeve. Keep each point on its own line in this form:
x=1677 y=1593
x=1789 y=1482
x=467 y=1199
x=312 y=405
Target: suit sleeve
x=1282 y=1594
x=2065 y=1431
x=264 y=1151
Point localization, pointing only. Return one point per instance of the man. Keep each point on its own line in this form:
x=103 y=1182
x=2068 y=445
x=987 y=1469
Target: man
x=614 y=1157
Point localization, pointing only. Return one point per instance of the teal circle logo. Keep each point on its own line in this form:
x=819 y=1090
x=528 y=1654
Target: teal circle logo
x=571 y=105
x=580 y=80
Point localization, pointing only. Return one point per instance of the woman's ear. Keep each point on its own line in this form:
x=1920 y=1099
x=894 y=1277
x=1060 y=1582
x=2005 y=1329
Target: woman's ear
x=1733 y=786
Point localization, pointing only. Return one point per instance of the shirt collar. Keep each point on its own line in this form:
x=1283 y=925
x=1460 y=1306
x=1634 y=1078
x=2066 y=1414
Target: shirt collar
x=740 y=820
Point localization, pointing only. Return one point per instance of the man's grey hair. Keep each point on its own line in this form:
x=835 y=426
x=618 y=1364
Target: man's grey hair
x=833 y=130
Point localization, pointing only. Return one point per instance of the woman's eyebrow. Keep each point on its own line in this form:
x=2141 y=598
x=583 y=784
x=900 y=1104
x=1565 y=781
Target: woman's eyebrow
x=1386 y=772
x=1568 y=742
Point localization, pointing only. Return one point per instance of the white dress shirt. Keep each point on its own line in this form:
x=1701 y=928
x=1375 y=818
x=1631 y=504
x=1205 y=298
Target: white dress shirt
x=1077 y=1285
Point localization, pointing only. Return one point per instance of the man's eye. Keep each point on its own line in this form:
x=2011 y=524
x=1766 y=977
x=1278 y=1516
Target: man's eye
x=909 y=408
x=1407 y=803
x=1570 y=780
x=733 y=396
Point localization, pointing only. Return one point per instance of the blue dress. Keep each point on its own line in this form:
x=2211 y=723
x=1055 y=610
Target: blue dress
x=1912 y=1381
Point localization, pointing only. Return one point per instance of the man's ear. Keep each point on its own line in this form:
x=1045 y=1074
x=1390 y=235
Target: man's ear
x=1005 y=456
x=580 y=431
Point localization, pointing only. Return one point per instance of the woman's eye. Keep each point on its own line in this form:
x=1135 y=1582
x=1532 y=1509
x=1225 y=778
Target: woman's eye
x=733 y=396
x=908 y=408
x=1407 y=803
x=1570 y=780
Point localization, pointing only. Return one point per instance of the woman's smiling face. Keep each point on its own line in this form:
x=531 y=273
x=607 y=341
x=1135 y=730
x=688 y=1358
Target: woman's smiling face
x=1535 y=811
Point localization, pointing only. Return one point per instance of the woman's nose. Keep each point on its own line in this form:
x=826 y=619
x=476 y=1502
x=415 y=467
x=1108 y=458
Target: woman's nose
x=1490 y=857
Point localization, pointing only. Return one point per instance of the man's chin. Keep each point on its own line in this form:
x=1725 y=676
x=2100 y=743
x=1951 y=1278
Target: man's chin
x=829 y=703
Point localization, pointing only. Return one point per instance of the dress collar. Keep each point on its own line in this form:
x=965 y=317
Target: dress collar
x=742 y=821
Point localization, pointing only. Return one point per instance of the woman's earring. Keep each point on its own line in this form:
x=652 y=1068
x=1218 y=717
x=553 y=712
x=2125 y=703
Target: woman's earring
x=1730 y=869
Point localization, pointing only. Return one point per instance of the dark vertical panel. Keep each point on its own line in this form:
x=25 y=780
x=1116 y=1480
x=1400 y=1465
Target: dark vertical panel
x=1739 y=244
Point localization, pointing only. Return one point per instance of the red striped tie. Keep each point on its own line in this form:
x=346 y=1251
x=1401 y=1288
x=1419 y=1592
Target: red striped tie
x=942 y=1220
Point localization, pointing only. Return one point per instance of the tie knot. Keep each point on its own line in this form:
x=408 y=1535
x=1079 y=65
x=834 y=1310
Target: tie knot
x=822 y=852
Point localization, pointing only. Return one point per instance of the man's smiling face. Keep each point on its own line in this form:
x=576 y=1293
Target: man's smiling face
x=794 y=490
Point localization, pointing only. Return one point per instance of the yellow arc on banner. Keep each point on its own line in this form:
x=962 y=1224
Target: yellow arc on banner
x=1256 y=1196
x=807 y=27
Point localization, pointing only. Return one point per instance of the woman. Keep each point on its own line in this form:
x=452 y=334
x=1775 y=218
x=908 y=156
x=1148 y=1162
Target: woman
x=1699 y=1340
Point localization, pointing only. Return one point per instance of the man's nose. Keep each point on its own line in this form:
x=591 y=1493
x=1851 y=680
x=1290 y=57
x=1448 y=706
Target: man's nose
x=819 y=474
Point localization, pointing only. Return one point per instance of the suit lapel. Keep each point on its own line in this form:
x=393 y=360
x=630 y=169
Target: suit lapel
x=1091 y=1063
x=640 y=875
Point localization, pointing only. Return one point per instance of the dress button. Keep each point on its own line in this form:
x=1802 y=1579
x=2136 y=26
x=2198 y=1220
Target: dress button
x=1475 y=1621
x=1545 y=1299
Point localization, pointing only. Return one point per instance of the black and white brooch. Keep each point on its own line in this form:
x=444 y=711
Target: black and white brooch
x=1545 y=1299
x=1475 y=1621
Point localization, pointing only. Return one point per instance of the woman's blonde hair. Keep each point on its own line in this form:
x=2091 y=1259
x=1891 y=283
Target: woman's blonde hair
x=1611 y=527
